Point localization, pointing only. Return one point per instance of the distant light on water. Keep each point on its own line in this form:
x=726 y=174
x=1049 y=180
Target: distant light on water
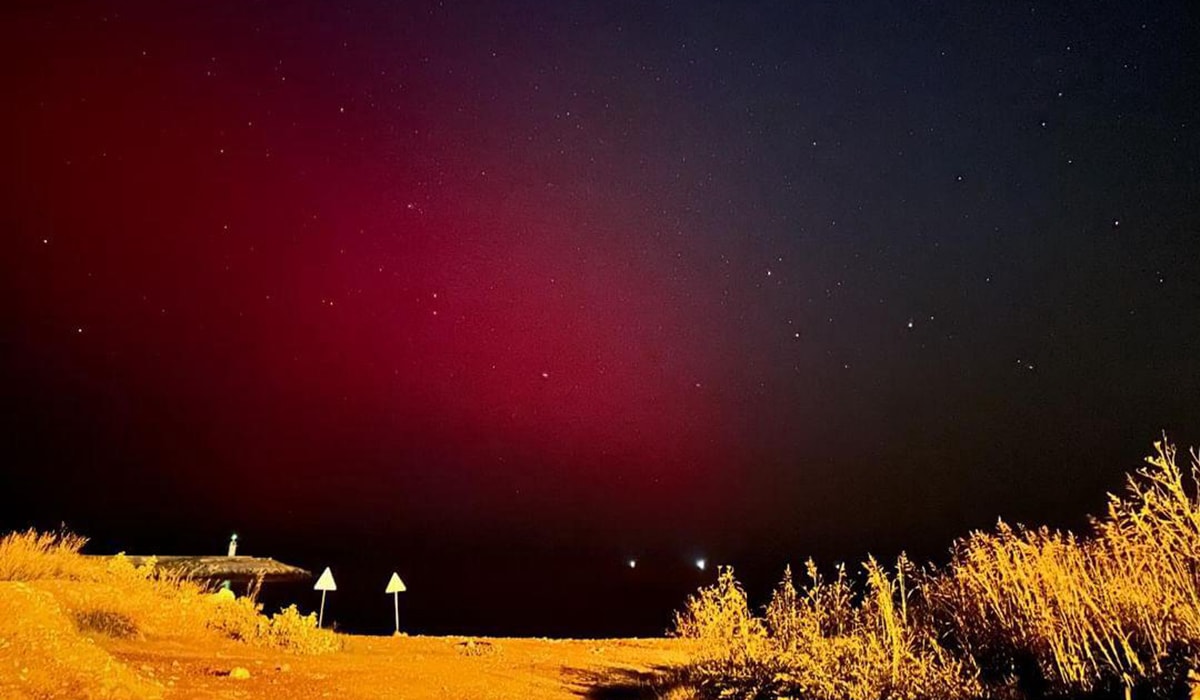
x=632 y=563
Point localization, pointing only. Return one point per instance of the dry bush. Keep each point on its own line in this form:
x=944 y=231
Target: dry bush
x=106 y=622
x=824 y=609
x=292 y=631
x=1016 y=610
x=242 y=619
x=719 y=616
x=1119 y=609
x=822 y=642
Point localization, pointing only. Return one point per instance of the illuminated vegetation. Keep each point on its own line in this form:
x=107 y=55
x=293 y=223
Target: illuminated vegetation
x=54 y=601
x=1015 y=613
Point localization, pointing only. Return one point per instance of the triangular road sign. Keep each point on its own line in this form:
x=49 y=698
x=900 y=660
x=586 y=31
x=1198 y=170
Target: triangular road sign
x=325 y=583
x=395 y=585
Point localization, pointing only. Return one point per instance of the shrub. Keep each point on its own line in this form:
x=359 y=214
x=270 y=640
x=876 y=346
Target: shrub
x=293 y=631
x=1039 y=611
x=106 y=622
x=288 y=629
x=818 y=643
x=1115 y=610
x=720 y=614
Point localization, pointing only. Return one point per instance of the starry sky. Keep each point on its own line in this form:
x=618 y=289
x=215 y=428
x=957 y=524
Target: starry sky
x=502 y=294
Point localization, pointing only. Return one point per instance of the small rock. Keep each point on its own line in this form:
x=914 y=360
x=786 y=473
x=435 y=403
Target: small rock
x=239 y=673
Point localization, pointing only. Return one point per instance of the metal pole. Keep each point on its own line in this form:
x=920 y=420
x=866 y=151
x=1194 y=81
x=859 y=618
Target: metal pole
x=396 y=602
x=321 y=615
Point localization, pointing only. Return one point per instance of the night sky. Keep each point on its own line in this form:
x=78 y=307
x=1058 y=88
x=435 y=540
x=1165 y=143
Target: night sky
x=499 y=295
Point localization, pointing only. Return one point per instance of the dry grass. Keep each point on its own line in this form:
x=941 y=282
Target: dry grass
x=67 y=600
x=36 y=556
x=1118 y=609
x=825 y=641
x=1016 y=612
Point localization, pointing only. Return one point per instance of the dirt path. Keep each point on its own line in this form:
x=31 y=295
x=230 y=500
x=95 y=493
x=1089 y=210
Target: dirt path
x=412 y=668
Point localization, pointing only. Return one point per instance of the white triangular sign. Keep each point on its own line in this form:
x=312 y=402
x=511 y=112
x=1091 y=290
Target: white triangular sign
x=395 y=585
x=325 y=583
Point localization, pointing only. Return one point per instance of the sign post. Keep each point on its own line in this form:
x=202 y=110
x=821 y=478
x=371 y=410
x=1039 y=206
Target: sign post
x=324 y=585
x=396 y=587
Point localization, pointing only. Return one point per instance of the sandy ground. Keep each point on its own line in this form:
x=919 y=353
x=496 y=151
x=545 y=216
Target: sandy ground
x=412 y=668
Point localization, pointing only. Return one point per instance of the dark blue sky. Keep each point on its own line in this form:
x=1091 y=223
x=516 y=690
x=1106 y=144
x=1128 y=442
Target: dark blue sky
x=500 y=294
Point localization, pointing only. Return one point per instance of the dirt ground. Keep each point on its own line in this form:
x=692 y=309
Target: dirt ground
x=411 y=668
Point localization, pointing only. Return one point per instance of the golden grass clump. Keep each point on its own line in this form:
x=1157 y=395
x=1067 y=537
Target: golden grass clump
x=33 y=556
